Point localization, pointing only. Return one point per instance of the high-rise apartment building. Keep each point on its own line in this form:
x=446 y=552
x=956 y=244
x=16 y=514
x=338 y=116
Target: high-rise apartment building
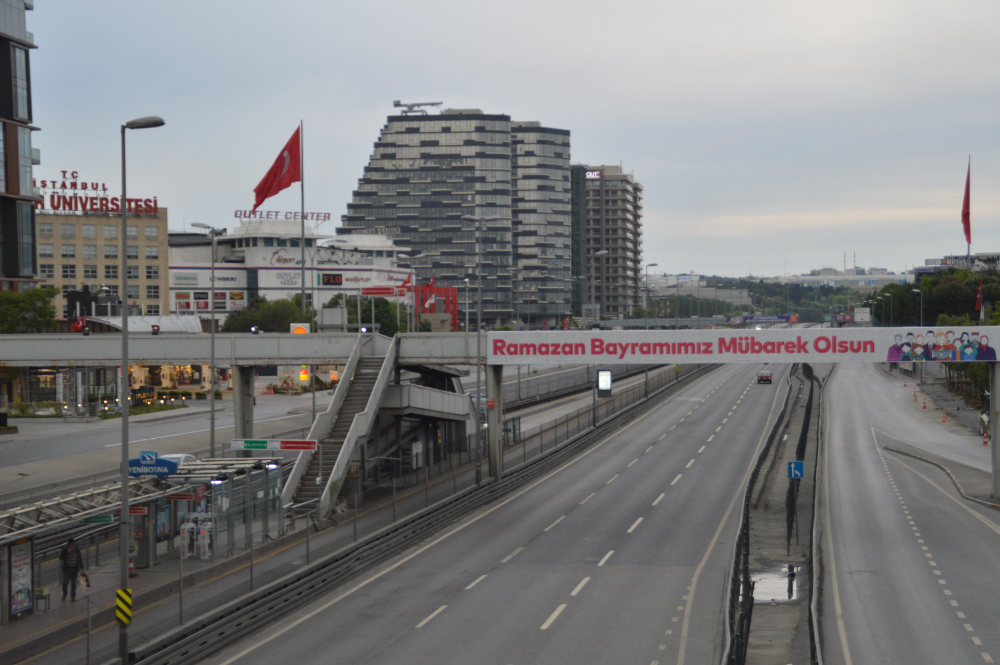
x=426 y=173
x=540 y=209
x=607 y=217
x=17 y=193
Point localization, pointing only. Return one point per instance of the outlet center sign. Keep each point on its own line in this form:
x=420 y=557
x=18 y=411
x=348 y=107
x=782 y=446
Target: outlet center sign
x=818 y=345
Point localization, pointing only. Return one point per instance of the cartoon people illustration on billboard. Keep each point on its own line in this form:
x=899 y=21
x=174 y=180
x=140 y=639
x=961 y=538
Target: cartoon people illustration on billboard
x=941 y=346
x=985 y=351
x=918 y=349
x=895 y=350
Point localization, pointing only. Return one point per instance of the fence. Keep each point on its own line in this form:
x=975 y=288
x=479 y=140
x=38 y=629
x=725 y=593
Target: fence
x=739 y=610
x=556 y=383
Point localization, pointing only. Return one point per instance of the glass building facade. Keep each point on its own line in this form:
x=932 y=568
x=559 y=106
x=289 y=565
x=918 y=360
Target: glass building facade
x=425 y=174
x=540 y=212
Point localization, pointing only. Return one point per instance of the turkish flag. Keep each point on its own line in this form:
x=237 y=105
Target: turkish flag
x=80 y=324
x=406 y=282
x=966 y=223
x=431 y=283
x=287 y=168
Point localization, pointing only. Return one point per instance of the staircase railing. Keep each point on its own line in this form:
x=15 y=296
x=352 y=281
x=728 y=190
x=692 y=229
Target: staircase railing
x=322 y=425
x=359 y=430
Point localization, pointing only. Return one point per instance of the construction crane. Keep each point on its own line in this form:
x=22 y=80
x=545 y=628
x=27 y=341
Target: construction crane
x=415 y=107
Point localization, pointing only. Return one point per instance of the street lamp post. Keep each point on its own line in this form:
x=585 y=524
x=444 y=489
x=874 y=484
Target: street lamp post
x=645 y=300
x=125 y=535
x=920 y=291
x=211 y=366
x=479 y=330
x=882 y=317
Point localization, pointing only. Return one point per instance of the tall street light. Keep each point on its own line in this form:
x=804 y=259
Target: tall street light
x=882 y=318
x=479 y=221
x=920 y=291
x=645 y=303
x=211 y=367
x=889 y=296
x=125 y=535
x=593 y=280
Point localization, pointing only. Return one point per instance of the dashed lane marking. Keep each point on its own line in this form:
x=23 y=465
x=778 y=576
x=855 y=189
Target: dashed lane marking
x=477 y=581
x=676 y=479
x=579 y=586
x=606 y=557
x=556 y=522
x=659 y=498
x=553 y=616
x=432 y=615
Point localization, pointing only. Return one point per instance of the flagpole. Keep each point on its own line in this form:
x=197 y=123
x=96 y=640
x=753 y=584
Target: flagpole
x=302 y=241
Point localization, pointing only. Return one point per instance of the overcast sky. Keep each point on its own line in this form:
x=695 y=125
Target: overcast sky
x=769 y=136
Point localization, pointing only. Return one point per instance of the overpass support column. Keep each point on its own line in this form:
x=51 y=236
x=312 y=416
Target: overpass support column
x=995 y=426
x=494 y=418
x=243 y=401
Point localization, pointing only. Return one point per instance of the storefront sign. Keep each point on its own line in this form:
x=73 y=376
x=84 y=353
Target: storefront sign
x=868 y=345
x=182 y=295
x=201 y=295
x=69 y=194
x=185 y=278
x=236 y=295
x=274 y=214
x=220 y=295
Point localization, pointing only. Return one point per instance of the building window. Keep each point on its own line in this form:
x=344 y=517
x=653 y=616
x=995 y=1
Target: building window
x=132 y=232
x=68 y=251
x=153 y=310
x=24 y=161
x=133 y=292
x=152 y=292
x=268 y=242
x=282 y=242
x=19 y=65
x=89 y=272
x=309 y=242
x=26 y=237
x=152 y=252
x=67 y=230
x=254 y=242
x=294 y=242
x=132 y=272
x=90 y=251
x=66 y=288
x=152 y=233
x=89 y=231
x=110 y=231
x=44 y=229
x=132 y=251
x=111 y=251
x=153 y=272
x=46 y=270
x=69 y=271
x=45 y=250
x=113 y=290
x=111 y=272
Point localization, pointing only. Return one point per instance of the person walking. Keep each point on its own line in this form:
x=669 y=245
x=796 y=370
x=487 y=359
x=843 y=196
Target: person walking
x=72 y=566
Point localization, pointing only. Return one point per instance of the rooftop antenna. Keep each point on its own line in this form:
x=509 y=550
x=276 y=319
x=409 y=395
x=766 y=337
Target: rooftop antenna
x=414 y=107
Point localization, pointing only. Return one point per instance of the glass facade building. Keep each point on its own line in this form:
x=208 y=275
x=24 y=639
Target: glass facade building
x=540 y=215
x=607 y=216
x=428 y=171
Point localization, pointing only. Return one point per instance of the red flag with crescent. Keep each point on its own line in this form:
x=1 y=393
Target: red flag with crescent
x=79 y=324
x=287 y=168
x=406 y=282
x=431 y=283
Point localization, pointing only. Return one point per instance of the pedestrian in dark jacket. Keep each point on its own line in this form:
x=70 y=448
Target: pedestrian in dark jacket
x=72 y=565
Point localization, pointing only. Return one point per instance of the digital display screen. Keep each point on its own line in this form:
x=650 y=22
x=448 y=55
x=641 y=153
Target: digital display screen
x=604 y=379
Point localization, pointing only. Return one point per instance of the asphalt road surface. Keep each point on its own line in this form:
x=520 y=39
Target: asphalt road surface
x=909 y=567
x=619 y=556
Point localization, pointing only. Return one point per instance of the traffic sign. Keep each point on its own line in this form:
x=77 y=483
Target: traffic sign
x=796 y=469
x=378 y=290
x=158 y=467
x=99 y=519
x=273 y=444
x=148 y=456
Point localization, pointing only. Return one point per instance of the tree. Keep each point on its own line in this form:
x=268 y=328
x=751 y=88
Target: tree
x=268 y=316
x=29 y=311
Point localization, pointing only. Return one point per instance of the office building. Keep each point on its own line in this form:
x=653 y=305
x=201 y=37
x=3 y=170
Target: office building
x=607 y=216
x=17 y=191
x=541 y=223
x=425 y=174
x=79 y=240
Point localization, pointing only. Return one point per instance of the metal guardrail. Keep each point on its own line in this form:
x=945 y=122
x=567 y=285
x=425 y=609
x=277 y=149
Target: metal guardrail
x=739 y=608
x=193 y=642
x=547 y=387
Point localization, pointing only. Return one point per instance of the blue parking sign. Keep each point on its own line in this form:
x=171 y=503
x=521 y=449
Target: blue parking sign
x=796 y=469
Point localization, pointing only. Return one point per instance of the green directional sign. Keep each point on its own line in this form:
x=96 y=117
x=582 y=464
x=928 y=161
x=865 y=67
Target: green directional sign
x=253 y=444
x=99 y=519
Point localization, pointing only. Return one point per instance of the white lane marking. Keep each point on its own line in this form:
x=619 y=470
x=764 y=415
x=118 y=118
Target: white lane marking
x=579 y=586
x=968 y=626
x=632 y=462
x=663 y=436
x=730 y=413
x=676 y=479
x=511 y=555
x=659 y=498
x=710 y=438
x=976 y=641
x=632 y=528
x=606 y=557
x=688 y=466
x=556 y=522
x=587 y=499
x=681 y=420
x=724 y=420
x=718 y=428
x=433 y=614
x=477 y=581
x=553 y=616
x=612 y=479
x=961 y=615
x=986 y=656
x=701 y=449
x=448 y=534
x=672 y=428
x=648 y=449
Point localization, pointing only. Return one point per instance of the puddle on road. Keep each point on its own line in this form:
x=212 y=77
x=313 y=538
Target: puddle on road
x=776 y=585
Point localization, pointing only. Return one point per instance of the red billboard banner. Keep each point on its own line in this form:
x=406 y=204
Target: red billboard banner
x=378 y=290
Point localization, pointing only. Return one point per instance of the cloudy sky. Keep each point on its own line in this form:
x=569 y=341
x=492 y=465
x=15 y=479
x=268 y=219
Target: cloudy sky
x=770 y=136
